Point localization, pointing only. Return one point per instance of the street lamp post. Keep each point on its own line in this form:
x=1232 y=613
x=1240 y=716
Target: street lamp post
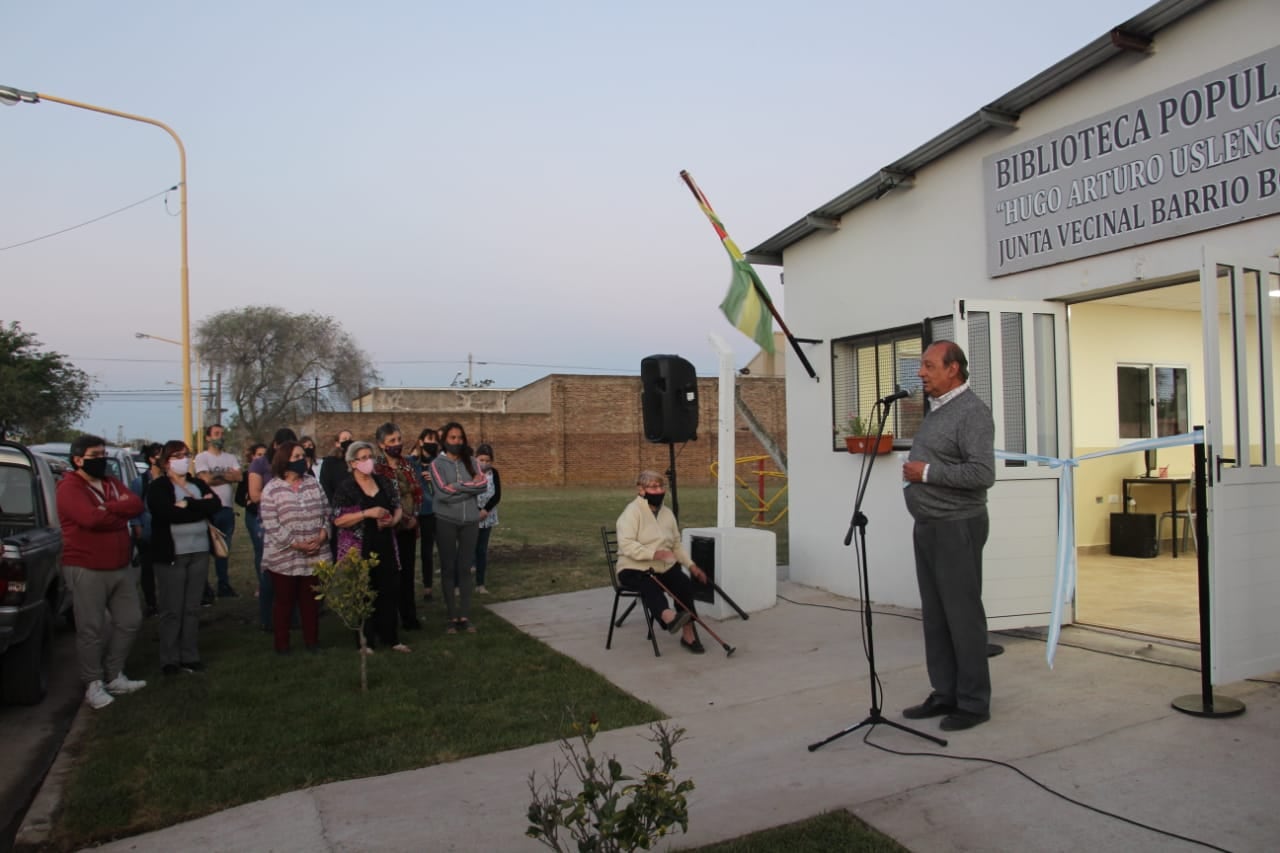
x=186 y=390
x=11 y=96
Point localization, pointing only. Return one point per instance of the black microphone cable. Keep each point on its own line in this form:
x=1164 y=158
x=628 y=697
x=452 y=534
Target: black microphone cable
x=981 y=760
x=997 y=762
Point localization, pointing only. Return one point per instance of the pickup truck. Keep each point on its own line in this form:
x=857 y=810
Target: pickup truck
x=30 y=573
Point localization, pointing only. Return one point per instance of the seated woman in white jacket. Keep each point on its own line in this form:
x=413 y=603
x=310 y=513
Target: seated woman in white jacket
x=649 y=546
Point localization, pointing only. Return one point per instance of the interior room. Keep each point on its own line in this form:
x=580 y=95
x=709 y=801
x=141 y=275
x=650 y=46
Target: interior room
x=1137 y=371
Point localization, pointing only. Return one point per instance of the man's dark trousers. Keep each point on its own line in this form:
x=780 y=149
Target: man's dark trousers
x=949 y=571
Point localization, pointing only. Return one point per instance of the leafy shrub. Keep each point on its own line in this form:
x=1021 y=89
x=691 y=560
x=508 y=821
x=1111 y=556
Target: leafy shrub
x=613 y=812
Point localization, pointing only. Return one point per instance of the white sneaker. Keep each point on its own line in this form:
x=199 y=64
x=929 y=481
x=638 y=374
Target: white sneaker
x=481 y=590
x=96 y=695
x=121 y=684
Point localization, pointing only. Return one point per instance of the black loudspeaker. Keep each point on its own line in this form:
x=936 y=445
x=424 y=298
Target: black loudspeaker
x=669 y=399
x=1133 y=534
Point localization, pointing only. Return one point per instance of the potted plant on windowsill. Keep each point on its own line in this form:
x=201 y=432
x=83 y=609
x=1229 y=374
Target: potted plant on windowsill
x=856 y=439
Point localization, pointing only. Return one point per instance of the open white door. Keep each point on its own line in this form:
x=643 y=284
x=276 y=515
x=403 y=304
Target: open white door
x=1241 y=318
x=1018 y=366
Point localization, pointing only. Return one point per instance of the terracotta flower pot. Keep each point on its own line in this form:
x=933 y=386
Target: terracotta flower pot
x=867 y=444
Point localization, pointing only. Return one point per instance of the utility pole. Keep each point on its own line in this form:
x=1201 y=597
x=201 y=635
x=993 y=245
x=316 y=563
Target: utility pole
x=470 y=361
x=315 y=396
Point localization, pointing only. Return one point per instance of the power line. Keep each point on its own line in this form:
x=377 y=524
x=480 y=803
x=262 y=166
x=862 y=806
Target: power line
x=511 y=364
x=89 y=222
x=136 y=360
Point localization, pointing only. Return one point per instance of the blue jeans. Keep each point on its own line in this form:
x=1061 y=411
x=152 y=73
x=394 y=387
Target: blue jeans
x=482 y=553
x=225 y=520
x=266 y=593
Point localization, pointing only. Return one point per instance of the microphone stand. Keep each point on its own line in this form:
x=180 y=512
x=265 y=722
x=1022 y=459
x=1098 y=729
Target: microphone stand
x=859 y=523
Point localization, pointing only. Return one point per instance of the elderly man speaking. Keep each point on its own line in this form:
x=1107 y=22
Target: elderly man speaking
x=949 y=470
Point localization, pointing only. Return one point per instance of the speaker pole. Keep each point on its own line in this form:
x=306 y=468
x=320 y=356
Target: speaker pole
x=671 y=478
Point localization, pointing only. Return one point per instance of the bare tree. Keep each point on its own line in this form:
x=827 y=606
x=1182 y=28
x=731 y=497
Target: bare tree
x=282 y=366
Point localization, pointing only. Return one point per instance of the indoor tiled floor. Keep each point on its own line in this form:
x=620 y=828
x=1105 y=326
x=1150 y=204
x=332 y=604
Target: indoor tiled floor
x=1154 y=596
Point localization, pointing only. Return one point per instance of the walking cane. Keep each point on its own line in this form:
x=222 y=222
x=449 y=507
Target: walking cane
x=728 y=649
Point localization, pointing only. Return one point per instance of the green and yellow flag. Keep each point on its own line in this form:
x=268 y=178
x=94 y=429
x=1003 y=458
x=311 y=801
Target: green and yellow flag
x=747 y=304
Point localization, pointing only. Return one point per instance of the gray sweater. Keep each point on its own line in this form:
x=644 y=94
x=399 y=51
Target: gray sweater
x=957 y=441
x=453 y=495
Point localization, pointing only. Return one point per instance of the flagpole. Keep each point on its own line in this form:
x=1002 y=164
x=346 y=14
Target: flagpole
x=736 y=254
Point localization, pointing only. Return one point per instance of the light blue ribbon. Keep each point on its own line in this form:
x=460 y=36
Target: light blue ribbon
x=1064 y=585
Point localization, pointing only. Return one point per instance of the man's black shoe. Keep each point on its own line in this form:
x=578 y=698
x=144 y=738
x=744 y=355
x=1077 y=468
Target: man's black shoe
x=696 y=646
x=958 y=721
x=930 y=707
x=192 y=666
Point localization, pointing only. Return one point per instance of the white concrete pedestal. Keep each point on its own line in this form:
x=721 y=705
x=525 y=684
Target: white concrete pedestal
x=746 y=567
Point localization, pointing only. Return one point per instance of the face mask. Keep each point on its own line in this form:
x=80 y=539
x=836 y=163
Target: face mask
x=393 y=450
x=344 y=445
x=455 y=449
x=298 y=466
x=484 y=466
x=310 y=452
x=216 y=443
x=431 y=449
x=180 y=466
x=655 y=501
x=364 y=466
x=95 y=468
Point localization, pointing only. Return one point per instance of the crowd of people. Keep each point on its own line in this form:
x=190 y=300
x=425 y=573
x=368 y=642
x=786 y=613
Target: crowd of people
x=150 y=543
x=385 y=497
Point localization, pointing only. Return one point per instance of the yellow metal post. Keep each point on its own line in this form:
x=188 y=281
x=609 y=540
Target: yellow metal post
x=182 y=191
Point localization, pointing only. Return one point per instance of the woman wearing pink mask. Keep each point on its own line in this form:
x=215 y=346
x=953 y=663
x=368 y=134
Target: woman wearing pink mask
x=181 y=507
x=366 y=513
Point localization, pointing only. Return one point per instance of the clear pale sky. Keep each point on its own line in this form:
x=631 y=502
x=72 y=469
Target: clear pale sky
x=499 y=179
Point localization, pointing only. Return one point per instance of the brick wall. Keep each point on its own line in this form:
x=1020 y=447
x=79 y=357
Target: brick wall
x=592 y=432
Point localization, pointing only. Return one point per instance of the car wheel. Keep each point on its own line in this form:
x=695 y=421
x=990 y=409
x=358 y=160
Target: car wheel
x=24 y=676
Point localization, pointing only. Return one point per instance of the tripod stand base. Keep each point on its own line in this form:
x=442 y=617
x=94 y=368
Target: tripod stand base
x=1217 y=706
x=875 y=718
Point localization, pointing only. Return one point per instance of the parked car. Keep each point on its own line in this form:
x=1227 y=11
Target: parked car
x=30 y=567
x=57 y=464
x=120 y=462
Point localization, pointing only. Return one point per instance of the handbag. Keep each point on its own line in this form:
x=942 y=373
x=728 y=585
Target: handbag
x=217 y=541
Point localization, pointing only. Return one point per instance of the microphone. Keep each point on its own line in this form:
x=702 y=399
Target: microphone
x=900 y=394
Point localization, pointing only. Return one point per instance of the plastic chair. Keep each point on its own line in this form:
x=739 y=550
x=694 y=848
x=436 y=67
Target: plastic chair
x=610 y=539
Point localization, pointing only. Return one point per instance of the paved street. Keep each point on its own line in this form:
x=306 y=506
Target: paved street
x=32 y=735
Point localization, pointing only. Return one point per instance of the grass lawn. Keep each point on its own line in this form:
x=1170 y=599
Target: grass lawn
x=256 y=724
x=826 y=832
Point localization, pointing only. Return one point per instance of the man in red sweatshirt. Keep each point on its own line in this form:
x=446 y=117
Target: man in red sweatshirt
x=95 y=509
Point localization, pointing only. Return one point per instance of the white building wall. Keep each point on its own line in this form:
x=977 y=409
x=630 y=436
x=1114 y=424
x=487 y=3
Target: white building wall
x=910 y=254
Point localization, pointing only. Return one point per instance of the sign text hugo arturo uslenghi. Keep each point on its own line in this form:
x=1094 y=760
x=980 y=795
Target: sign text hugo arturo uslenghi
x=1192 y=157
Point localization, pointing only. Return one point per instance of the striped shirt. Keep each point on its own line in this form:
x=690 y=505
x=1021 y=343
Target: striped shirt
x=291 y=512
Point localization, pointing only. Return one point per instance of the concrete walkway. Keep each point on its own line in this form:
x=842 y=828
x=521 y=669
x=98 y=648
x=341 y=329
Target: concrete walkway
x=1098 y=728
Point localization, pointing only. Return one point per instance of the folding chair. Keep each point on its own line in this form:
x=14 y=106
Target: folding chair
x=610 y=539
x=1186 y=516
